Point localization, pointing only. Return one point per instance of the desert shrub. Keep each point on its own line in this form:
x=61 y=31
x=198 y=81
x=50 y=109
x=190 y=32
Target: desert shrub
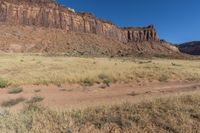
x=3 y=83
x=35 y=99
x=163 y=78
x=105 y=79
x=107 y=82
x=15 y=90
x=12 y=102
x=37 y=90
x=87 y=82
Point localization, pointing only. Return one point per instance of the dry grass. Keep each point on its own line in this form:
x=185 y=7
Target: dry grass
x=20 y=69
x=175 y=114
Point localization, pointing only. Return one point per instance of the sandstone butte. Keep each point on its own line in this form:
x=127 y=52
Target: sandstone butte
x=48 y=13
x=69 y=31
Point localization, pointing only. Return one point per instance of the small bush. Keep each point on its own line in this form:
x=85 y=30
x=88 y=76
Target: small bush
x=107 y=82
x=3 y=83
x=38 y=90
x=15 y=90
x=12 y=102
x=163 y=78
x=35 y=99
x=105 y=79
x=87 y=82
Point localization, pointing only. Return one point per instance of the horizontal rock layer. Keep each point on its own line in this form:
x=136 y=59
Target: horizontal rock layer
x=47 y=13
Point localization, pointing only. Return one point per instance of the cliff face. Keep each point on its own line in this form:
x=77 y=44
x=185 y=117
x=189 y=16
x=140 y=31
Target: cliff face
x=47 y=13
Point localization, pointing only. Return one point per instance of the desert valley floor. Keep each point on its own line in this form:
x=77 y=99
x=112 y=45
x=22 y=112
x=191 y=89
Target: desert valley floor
x=98 y=94
x=79 y=82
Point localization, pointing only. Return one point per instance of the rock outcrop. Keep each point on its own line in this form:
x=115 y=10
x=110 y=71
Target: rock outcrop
x=48 y=13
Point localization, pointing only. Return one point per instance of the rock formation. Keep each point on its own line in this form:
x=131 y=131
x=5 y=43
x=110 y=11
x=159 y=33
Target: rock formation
x=48 y=13
x=44 y=26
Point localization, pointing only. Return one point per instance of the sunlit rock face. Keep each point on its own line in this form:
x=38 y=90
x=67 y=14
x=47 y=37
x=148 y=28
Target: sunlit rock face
x=48 y=13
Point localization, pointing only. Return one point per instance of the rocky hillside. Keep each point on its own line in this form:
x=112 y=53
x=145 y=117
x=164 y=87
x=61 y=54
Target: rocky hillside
x=192 y=48
x=28 y=39
x=46 y=26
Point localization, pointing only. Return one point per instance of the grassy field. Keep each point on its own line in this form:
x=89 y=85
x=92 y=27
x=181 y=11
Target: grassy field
x=180 y=113
x=176 y=114
x=18 y=69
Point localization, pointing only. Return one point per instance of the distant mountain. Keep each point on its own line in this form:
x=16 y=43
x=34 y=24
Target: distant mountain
x=192 y=48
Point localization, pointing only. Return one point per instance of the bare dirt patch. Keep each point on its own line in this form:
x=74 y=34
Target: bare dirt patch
x=76 y=96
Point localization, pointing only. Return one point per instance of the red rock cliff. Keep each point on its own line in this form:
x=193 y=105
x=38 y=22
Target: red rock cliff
x=47 y=13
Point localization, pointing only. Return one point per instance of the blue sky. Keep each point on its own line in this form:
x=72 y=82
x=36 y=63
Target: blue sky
x=176 y=21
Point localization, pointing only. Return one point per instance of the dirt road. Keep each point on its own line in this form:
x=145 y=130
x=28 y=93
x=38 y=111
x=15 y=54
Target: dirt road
x=76 y=96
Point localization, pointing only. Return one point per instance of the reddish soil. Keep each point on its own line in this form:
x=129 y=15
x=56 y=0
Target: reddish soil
x=75 y=96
